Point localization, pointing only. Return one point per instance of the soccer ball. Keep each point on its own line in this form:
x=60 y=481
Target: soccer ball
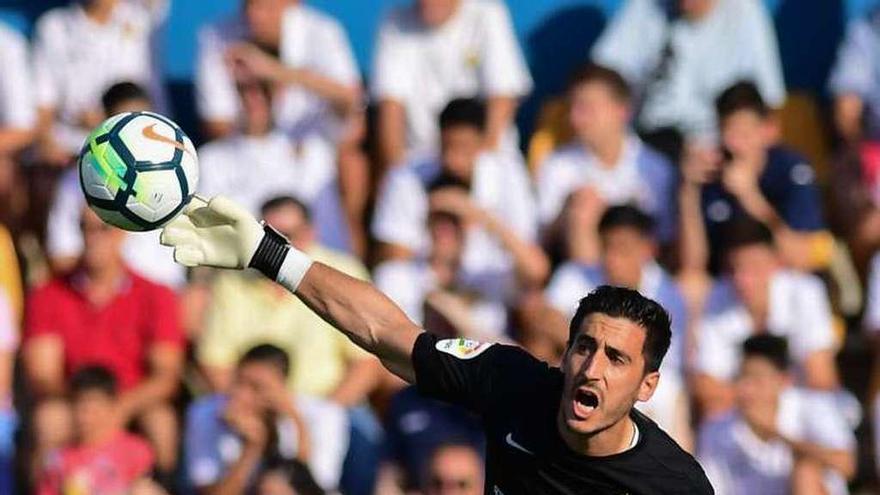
x=138 y=170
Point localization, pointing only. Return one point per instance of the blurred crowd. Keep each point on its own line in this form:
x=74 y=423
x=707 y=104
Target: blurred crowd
x=675 y=163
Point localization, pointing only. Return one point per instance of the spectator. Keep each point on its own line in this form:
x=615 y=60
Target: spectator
x=64 y=241
x=475 y=304
x=454 y=469
x=301 y=52
x=103 y=313
x=103 y=458
x=116 y=35
x=305 y=56
x=779 y=439
x=758 y=296
x=497 y=184
x=606 y=159
x=628 y=260
x=17 y=113
x=229 y=436
x=750 y=176
x=246 y=309
x=855 y=81
x=431 y=52
x=275 y=164
x=679 y=58
x=415 y=428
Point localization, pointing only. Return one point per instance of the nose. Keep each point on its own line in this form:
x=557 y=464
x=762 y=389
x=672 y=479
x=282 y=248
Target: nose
x=594 y=365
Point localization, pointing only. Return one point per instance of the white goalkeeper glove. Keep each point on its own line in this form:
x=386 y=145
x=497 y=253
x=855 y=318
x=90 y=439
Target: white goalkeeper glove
x=219 y=233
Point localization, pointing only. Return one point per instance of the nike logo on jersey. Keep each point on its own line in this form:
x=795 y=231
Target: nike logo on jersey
x=510 y=441
x=149 y=132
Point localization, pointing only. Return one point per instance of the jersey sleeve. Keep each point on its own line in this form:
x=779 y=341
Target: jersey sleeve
x=216 y=98
x=854 y=69
x=504 y=71
x=467 y=373
x=390 y=75
x=802 y=205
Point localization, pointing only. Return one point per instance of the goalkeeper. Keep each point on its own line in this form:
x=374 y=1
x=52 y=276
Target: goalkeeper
x=548 y=430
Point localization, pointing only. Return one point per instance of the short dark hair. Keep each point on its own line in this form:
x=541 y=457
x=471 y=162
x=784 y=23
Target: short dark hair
x=296 y=473
x=626 y=216
x=282 y=201
x=93 y=378
x=122 y=92
x=469 y=112
x=743 y=95
x=769 y=347
x=594 y=73
x=620 y=302
x=744 y=231
x=267 y=354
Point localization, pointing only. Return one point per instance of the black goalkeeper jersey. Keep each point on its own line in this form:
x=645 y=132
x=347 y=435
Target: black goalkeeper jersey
x=517 y=397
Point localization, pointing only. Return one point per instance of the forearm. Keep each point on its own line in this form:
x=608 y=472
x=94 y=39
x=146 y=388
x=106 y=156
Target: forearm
x=152 y=391
x=363 y=314
x=694 y=249
x=236 y=480
x=362 y=377
x=342 y=97
x=841 y=461
x=392 y=132
x=531 y=264
x=500 y=111
x=14 y=140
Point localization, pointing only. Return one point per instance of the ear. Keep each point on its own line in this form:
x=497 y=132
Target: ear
x=648 y=386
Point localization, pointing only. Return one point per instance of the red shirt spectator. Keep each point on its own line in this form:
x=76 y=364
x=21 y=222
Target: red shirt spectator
x=117 y=335
x=109 y=468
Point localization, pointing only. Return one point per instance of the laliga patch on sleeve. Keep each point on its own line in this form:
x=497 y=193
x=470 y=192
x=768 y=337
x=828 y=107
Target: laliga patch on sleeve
x=463 y=348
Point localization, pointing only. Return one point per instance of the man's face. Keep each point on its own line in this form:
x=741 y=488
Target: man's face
x=759 y=383
x=751 y=268
x=93 y=411
x=101 y=241
x=604 y=374
x=274 y=483
x=596 y=113
x=290 y=221
x=264 y=20
x=745 y=133
x=256 y=103
x=435 y=12
x=625 y=251
x=253 y=385
x=460 y=145
x=455 y=471
x=447 y=237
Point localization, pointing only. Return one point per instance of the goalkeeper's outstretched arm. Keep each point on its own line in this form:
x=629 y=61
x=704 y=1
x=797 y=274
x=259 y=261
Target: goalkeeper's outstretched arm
x=219 y=233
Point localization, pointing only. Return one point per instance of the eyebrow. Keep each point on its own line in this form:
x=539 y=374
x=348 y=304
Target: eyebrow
x=610 y=351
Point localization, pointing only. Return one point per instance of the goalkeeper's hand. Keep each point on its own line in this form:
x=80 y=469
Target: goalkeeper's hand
x=220 y=233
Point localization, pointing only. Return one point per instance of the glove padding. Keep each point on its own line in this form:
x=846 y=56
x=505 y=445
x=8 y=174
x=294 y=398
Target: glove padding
x=217 y=233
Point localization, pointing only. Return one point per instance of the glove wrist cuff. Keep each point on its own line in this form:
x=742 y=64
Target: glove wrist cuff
x=270 y=253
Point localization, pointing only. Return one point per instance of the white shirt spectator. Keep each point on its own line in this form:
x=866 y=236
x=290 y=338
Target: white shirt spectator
x=327 y=425
x=737 y=461
x=309 y=40
x=642 y=177
x=141 y=250
x=16 y=94
x=799 y=310
x=500 y=185
x=573 y=281
x=253 y=169
x=704 y=58
x=475 y=53
x=408 y=283
x=77 y=59
x=856 y=69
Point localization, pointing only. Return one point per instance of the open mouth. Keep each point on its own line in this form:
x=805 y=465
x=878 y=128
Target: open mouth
x=585 y=402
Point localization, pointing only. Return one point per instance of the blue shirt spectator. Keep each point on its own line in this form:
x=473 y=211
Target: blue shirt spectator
x=855 y=79
x=416 y=425
x=788 y=184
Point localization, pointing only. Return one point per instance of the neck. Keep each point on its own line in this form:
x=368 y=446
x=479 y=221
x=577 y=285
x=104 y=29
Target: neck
x=608 y=151
x=612 y=440
x=100 y=12
x=257 y=130
x=97 y=436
